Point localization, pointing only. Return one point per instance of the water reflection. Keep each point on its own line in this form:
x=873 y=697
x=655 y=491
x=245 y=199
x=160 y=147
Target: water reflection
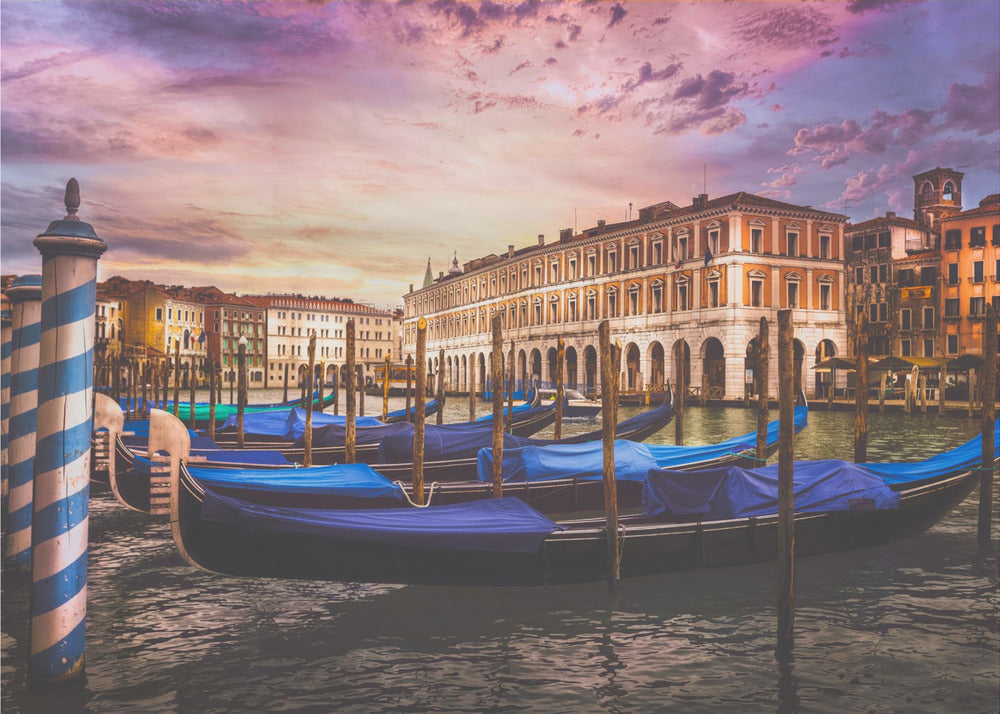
x=910 y=625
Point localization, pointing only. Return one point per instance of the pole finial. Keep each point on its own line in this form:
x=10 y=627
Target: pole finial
x=72 y=198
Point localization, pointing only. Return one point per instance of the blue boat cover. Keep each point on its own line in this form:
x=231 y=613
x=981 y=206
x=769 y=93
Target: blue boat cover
x=290 y=424
x=500 y=524
x=725 y=493
x=517 y=409
x=349 y=480
x=430 y=407
x=632 y=460
x=962 y=458
x=445 y=443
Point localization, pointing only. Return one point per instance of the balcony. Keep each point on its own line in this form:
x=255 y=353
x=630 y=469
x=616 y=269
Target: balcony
x=976 y=281
x=951 y=318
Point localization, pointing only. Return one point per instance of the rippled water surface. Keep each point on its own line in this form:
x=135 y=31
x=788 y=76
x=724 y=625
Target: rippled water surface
x=908 y=627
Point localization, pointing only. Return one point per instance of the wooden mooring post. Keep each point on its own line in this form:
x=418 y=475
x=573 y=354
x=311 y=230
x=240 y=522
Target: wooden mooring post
x=763 y=363
x=881 y=391
x=988 y=389
x=942 y=381
x=213 y=384
x=307 y=437
x=192 y=370
x=284 y=391
x=472 y=390
x=385 y=390
x=409 y=388
x=560 y=391
x=419 y=413
x=177 y=377
x=350 y=433
x=241 y=389
x=496 y=372
x=361 y=389
x=335 y=387
x=973 y=379
x=861 y=393
x=440 y=389
x=786 y=467
x=608 y=400
x=681 y=380
x=321 y=384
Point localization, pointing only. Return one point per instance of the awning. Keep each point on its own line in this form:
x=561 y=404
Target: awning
x=835 y=363
x=905 y=364
x=965 y=362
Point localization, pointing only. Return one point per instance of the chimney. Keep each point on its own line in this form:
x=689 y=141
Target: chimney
x=600 y=224
x=441 y=275
x=565 y=234
x=411 y=287
x=510 y=250
x=890 y=214
x=699 y=202
x=541 y=239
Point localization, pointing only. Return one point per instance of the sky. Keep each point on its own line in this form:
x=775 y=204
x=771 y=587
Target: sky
x=333 y=147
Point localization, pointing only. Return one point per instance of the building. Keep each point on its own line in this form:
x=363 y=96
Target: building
x=291 y=319
x=892 y=276
x=228 y=318
x=696 y=278
x=970 y=264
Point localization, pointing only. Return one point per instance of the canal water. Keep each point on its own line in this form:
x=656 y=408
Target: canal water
x=907 y=627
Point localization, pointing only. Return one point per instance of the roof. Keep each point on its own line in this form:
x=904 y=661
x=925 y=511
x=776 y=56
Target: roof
x=980 y=210
x=931 y=255
x=886 y=222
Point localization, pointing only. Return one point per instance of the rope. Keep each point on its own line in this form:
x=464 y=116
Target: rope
x=430 y=494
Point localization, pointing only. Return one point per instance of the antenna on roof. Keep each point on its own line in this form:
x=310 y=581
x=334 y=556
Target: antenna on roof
x=705 y=178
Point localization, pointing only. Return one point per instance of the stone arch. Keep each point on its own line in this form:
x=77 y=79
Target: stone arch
x=590 y=369
x=522 y=368
x=551 y=358
x=536 y=365
x=633 y=367
x=482 y=372
x=571 y=368
x=463 y=373
x=824 y=380
x=713 y=369
x=682 y=354
x=655 y=356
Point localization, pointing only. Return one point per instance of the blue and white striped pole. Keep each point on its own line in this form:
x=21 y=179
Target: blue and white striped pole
x=70 y=250
x=5 y=345
x=25 y=295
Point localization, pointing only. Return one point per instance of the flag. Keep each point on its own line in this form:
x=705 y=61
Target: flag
x=201 y=338
x=678 y=264
x=708 y=255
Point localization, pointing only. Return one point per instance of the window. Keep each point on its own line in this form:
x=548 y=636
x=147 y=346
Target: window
x=756 y=240
x=571 y=308
x=792 y=241
x=657 y=249
x=682 y=296
x=757 y=293
x=873 y=312
x=883 y=312
x=883 y=273
x=952 y=344
x=824 y=246
x=656 y=296
x=170 y=313
x=538 y=312
x=977 y=306
x=884 y=239
x=952 y=239
x=159 y=314
x=554 y=272
x=793 y=294
x=713 y=293
x=905 y=278
x=873 y=273
x=633 y=300
x=951 y=307
x=904 y=348
x=612 y=303
x=612 y=261
x=713 y=241
x=824 y=296
x=592 y=264
x=929 y=347
x=996 y=234
x=977 y=237
x=591 y=305
x=904 y=319
x=859 y=275
x=538 y=279
x=571 y=268
x=953 y=273
x=633 y=256
x=995 y=302
x=682 y=247
x=977 y=271
x=928 y=318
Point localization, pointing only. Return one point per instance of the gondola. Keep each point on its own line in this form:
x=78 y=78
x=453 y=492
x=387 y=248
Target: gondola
x=202 y=410
x=577 y=405
x=506 y=542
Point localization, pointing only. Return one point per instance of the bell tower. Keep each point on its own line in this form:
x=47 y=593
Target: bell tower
x=937 y=194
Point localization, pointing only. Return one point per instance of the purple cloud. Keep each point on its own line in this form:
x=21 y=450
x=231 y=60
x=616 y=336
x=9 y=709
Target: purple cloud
x=617 y=14
x=862 y=6
x=787 y=26
x=975 y=108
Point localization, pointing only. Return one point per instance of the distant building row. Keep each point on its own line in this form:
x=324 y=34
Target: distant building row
x=145 y=321
x=697 y=279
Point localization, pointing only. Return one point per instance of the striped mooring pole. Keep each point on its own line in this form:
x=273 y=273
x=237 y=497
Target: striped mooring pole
x=70 y=250
x=25 y=295
x=5 y=328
